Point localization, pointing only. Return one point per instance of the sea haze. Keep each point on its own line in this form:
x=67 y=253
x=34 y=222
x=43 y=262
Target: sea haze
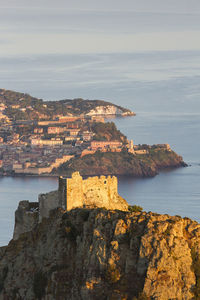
x=163 y=88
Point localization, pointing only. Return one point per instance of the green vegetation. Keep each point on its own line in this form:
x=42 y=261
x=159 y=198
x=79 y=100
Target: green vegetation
x=78 y=106
x=135 y=208
x=121 y=163
x=107 y=132
x=15 y=98
x=25 y=107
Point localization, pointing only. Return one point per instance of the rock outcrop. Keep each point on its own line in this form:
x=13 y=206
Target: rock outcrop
x=107 y=110
x=93 y=254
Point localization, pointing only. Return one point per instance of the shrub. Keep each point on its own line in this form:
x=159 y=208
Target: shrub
x=135 y=208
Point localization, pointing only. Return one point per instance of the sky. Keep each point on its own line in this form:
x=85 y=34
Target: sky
x=91 y=26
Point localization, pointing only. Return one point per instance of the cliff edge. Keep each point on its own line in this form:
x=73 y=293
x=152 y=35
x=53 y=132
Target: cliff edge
x=93 y=254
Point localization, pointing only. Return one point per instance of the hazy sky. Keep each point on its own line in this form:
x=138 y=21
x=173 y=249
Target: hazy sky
x=90 y=26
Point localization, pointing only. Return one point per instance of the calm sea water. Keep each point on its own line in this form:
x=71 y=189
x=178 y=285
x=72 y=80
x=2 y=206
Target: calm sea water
x=162 y=88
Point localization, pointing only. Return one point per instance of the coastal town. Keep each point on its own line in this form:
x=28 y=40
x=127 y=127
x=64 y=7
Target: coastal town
x=38 y=145
x=30 y=147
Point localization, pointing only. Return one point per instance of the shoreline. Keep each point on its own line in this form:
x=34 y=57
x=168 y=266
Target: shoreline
x=97 y=174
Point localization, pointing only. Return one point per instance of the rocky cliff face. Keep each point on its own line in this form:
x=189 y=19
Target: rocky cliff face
x=102 y=254
x=109 y=110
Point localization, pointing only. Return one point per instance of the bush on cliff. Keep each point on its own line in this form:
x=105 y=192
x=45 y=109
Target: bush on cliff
x=135 y=208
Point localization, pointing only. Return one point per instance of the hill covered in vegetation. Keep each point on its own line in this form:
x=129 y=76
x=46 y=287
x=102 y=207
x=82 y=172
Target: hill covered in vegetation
x=21 y=106
x=107 y=132
x=122 y=163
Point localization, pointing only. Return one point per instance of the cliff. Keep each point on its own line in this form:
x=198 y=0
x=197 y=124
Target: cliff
x=109 y=110
x=122 y=163
x=97 y=254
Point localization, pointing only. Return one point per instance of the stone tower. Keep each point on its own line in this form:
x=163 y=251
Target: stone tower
x=91 y=192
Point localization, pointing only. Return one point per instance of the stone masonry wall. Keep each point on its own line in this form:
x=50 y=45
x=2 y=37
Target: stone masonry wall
x=26 y=217
x=90 y=192
x=72 y=193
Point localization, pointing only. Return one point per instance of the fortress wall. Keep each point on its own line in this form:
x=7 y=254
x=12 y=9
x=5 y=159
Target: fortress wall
x=47 y=202
x=91 y=192
x=95 y=192
x=74 y=192
x=99 y=191
x=62 y=192
x=112 y=187
x=26 y=218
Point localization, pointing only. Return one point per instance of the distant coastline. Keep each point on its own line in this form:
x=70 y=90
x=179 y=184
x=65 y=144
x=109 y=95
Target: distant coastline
x=52 y=138
x=138 y=166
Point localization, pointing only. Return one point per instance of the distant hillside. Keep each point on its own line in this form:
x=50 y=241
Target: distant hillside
x=20 y=106
x=122 y=163
x=107 y=132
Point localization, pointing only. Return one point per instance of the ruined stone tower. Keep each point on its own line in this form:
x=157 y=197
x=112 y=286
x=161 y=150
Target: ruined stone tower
x=91 y=192
x=74 y=192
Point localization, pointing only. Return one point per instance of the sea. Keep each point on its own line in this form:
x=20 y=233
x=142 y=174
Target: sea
x=162 y=88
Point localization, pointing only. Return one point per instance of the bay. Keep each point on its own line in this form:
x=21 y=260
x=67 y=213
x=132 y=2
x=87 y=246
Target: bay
x=163 y=88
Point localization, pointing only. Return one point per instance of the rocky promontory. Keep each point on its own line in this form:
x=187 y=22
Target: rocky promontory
x=122 y=163
x=22 y=106
x=93 y=254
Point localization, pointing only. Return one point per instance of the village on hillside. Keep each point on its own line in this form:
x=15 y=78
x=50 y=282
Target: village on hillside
x=36 y=146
